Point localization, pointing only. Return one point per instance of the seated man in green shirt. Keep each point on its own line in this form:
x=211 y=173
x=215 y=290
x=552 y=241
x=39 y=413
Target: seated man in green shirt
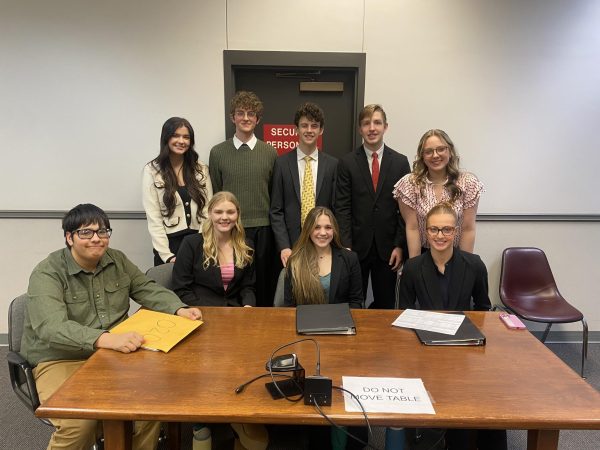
x=75 y=296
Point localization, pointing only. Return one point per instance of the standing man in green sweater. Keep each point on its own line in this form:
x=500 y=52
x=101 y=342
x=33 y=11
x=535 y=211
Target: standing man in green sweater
x=244 y=165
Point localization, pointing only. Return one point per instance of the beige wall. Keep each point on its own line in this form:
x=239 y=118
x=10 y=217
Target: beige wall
x=86 y=85
x=572 y=251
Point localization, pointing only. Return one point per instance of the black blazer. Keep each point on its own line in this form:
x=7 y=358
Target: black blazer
x=346 y=282
x=286 y=193
x=197 y=286
x=469 y=281
x=365 y=215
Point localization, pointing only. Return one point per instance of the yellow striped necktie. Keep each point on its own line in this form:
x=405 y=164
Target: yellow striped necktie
x=307 y=199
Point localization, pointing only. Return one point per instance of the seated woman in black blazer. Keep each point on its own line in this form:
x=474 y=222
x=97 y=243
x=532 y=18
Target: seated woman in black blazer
x=320 y=270
x=215 y=268
x=446 y=278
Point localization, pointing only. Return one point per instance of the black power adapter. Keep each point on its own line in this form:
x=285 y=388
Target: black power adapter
x=317 y=389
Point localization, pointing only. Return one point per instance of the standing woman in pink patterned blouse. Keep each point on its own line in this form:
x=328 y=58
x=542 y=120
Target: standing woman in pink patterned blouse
x=436 y=178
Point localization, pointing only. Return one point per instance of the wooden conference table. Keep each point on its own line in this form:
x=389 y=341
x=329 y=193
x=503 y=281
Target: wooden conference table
x=514 y=382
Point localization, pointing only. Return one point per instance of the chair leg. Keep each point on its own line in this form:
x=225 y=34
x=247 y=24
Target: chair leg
x=546 y=331
x=584 y=345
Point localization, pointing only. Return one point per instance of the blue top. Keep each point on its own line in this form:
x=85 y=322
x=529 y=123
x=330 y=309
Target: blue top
x=325 y=282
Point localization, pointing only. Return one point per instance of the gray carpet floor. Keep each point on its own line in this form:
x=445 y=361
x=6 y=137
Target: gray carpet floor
x=20 y=430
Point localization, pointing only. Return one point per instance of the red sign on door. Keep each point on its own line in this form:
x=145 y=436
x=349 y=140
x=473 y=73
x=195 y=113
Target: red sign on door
x=284 y=137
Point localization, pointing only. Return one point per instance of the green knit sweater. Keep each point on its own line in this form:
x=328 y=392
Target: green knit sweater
x=247 y=173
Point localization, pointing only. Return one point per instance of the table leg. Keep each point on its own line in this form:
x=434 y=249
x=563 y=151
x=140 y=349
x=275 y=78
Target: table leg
x=542 y=439
x=118 y=434
x=173 y=435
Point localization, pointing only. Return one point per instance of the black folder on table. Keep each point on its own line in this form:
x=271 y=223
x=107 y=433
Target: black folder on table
x=330 y=318
x=467 y=334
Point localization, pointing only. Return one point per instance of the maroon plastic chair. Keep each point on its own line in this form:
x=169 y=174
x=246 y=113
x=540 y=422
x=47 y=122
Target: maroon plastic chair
x=528 y=289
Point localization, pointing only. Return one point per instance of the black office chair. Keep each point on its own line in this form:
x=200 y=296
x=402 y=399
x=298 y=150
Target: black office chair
x=528 y=289
x=279 y=291
x=21 y=372
x=162 y=274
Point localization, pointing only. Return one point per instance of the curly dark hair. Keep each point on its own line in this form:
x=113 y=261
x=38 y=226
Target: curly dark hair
x=246 y=100
x=312 y=112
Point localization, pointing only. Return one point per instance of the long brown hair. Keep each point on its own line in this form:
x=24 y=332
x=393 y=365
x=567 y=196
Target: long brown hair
x=303 y=263
x=191 y=170
x=242 y=253
x=420 y=170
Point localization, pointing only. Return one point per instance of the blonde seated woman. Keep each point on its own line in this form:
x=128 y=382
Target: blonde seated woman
x=319 y=269
x=216 y=268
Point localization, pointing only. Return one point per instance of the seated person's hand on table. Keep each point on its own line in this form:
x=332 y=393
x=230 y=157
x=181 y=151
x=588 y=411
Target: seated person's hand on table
x=121 y=342
x=190 y=313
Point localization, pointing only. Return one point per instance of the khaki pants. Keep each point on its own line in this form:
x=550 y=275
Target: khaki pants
x=80 y=434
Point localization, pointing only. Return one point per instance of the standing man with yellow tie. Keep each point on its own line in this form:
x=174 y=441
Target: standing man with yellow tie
x=302 y=179
x=370 y=223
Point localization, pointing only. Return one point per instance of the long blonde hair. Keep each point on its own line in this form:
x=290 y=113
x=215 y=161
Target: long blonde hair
x=420 y=170
x=242 y=253
x=303 y=263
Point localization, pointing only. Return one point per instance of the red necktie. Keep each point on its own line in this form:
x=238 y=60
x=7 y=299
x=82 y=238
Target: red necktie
x=375 y=171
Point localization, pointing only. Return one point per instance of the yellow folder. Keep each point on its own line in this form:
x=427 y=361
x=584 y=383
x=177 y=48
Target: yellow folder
x=161 y=331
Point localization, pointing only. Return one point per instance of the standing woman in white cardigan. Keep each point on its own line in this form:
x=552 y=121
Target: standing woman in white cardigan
x=176 y=188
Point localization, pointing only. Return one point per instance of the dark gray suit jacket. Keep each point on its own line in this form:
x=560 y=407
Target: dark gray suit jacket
x=366 y=215
x=286 y=193
x=468 y=282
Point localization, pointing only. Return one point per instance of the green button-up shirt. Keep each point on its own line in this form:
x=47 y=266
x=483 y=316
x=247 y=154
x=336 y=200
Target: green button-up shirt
x=69 y=308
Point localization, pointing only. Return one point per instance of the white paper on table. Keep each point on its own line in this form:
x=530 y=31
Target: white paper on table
x=429 y=321
x=391 y=395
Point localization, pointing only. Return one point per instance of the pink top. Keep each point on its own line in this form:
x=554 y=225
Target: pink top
x=407 y=191
x=227 y=274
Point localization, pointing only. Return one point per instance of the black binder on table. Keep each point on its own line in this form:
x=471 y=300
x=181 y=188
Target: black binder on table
x=467 y=334
x=329 y=318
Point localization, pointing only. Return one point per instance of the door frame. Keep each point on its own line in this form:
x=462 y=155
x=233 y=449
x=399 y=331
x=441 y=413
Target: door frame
x=239 y=59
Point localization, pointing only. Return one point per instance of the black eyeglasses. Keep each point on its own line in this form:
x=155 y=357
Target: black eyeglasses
x=446 y=231
x=87 y=233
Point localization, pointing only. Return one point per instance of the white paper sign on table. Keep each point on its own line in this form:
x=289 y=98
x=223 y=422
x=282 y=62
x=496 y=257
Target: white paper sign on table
x=392 y=395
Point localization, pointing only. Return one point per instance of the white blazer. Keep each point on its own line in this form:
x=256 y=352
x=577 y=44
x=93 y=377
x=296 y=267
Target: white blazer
x=158 y=225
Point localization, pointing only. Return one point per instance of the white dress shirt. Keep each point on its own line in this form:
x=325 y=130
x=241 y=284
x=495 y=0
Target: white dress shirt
x=302 y=166
x=251 y=143
x=369 y=154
